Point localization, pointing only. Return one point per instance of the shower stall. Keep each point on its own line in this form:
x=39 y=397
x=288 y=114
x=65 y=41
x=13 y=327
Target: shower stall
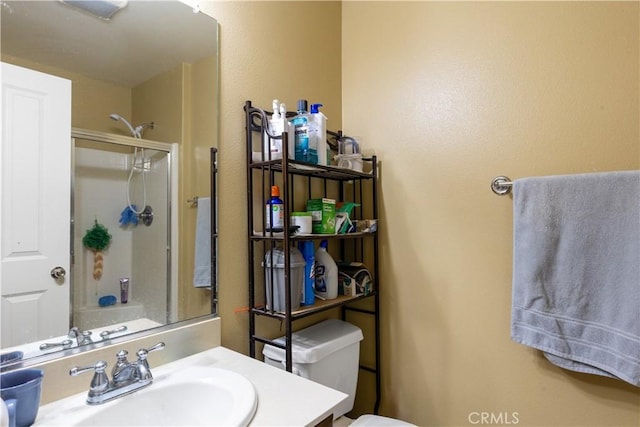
x=127 y=185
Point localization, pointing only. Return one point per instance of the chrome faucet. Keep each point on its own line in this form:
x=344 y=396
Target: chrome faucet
x=82 y=337
x=126 y=377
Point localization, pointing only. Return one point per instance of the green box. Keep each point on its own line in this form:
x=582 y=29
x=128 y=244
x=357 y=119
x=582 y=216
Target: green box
x=323 y=214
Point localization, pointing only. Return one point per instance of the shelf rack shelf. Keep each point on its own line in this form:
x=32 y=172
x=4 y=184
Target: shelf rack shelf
x=299 y=180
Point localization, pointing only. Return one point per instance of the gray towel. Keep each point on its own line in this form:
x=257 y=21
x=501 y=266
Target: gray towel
x=202 y=259
x=576 y=271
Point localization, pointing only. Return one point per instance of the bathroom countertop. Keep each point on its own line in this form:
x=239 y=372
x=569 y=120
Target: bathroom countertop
x=283 y=399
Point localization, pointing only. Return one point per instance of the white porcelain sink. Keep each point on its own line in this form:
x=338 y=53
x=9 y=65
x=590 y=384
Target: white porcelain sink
x=194 y=396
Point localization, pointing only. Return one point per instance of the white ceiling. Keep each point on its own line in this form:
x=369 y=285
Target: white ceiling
x=142 y=40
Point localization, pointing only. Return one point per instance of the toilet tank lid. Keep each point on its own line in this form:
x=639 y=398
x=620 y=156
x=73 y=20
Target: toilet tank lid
x=316 y=342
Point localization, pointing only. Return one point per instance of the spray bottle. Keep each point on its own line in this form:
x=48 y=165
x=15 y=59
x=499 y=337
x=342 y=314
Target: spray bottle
x=318 y=136
x=301 y=129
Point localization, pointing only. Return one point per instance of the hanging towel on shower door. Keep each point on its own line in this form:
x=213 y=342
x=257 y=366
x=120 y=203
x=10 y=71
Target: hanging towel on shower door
x=576 y=271
x=202 y=259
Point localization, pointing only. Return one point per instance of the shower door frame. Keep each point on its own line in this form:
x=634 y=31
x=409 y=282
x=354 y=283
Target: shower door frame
x=172 y=151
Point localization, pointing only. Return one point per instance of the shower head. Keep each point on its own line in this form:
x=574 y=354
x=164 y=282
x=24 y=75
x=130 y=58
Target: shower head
x=117 y=117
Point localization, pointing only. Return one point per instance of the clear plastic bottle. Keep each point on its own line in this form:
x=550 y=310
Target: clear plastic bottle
x=278 y=124
x=318 y=136
x=288 y=128
x=273 y=147
x=274 y=212
x=326 y=274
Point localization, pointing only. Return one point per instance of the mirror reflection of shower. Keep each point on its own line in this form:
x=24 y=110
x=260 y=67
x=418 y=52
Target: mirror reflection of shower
x=140 y=164
x=102 y=167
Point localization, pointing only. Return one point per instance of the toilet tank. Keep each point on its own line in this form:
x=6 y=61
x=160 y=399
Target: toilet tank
x=327 y=353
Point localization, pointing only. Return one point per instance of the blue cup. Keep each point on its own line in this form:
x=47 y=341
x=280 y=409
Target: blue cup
x=23 y=387
x=7 y=358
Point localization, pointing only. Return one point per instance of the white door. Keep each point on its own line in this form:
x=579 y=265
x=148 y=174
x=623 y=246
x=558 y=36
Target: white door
x=35 y=174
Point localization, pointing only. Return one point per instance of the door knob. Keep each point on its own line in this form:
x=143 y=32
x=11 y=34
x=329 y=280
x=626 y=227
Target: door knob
x=58 y=272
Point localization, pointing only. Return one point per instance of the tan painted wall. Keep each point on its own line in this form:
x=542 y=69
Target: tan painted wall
x=259 y=62
x=159 y=100
x=464 y=92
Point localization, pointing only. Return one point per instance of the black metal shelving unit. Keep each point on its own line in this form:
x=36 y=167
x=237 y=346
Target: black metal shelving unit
x=299 y=181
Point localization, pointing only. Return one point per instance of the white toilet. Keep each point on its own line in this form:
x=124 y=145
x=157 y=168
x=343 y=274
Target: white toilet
x=328 y=353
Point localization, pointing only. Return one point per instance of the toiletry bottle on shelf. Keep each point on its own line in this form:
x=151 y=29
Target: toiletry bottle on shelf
x=124 y=290
x=278 y=124
x=274 y=212
x=326 y=274
x=273 y=147
x=307 y=250
x=301 y=129
x=288 y=127
x=318 y=136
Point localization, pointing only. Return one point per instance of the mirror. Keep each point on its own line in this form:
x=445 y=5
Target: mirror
x=145 y=48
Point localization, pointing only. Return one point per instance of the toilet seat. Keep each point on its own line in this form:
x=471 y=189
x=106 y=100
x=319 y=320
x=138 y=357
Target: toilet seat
x=379 y=421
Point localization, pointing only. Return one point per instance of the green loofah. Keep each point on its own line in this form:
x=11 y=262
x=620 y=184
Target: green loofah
x=97 y=238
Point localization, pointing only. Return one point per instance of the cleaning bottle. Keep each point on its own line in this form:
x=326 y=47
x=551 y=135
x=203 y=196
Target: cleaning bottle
x=273 y=147
x=318 y=135
x=301 y=129
x=274 y=212
x=326 y=274
x=306 y=248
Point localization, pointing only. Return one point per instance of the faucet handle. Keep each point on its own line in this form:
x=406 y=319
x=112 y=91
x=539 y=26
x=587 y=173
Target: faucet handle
x=100 y=380
x=64 y=344
x=159 y=346
x=100 y=366
x=143 y=352
x=144 y=371
x=107 y=334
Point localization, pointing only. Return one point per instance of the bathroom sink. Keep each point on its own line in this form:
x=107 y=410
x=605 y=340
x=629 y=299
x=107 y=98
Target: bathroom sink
x=195 y=396
x=202 y=396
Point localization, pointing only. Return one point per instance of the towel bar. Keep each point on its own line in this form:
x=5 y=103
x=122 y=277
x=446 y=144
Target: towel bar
x=193 y=201
x=501 y=185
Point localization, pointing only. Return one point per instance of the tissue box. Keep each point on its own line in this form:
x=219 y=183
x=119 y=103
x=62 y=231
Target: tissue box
x=323 y=213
